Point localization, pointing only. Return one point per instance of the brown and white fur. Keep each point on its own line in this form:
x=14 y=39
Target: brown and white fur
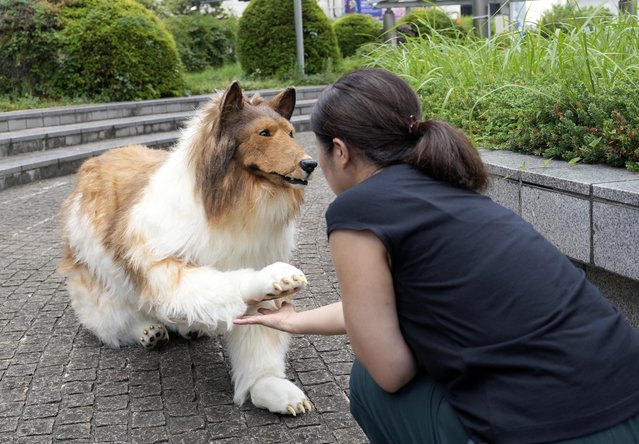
x=195 y=237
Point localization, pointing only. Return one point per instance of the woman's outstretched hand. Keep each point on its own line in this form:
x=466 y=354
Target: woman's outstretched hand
x=324 y=320
x=279 y=319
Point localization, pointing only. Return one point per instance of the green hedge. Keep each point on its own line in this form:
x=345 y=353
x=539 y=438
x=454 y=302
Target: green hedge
x=355 y=30
x=584 y=126
x=266 y=38
x=202 y=40
x=28 y=46
x=116 y=50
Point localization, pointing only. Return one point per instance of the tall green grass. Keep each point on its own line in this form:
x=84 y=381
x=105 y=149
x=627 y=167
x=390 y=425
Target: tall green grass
x=604 y=56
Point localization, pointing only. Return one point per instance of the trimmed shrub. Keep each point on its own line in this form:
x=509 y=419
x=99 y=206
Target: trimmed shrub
x=201 y=41
x=266 y=38
x=424 y=21
x=355 y=30
x=116 y=50
x=28 y=46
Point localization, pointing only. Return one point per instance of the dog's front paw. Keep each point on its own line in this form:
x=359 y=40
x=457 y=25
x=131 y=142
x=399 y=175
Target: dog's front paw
x=275 y=281
x=153 y=336
x=279 y=395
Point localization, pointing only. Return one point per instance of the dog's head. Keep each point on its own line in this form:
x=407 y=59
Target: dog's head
x=239 y=144
x=263 y=136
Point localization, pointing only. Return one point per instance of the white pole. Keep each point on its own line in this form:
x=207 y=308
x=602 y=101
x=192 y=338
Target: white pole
x=299 y=34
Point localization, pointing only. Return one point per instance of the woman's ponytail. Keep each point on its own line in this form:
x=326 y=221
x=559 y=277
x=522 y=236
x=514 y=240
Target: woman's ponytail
x=377 y=113
x=445 y=153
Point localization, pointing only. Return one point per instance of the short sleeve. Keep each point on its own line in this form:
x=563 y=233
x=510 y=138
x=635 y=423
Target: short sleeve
x=355 y=209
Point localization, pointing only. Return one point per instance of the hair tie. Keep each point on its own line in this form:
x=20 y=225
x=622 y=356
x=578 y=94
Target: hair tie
x=416 y=127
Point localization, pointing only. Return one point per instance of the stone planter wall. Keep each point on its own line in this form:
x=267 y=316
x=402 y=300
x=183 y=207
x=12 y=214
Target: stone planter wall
x=590 y=212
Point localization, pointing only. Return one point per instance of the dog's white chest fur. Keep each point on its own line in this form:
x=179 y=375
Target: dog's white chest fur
x=175 y=224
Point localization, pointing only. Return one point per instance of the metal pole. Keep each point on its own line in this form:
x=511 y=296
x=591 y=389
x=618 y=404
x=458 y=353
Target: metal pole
x=389 y=26
x=299 y=34
x=627 y=6
x=481 y=19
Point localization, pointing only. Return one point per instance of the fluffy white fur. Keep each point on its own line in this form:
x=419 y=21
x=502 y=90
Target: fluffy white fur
x=172 y=264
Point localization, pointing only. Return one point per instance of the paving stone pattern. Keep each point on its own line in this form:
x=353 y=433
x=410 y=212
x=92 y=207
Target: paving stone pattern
x=58 y=383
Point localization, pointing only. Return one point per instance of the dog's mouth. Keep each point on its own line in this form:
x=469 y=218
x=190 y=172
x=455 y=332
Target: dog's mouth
x=291 y=180
x=287 y=179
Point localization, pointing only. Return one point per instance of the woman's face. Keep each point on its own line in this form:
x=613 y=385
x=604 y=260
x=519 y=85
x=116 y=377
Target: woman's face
x=334 y=175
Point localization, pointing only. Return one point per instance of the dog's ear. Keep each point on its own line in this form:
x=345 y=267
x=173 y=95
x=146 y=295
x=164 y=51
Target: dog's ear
x=284 y=103
x=233 y=100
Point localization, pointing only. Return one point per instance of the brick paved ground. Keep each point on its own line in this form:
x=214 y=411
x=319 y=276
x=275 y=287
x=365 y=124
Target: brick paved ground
x=58 y=383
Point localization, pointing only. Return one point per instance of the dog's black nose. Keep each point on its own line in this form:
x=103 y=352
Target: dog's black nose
x=308 y=165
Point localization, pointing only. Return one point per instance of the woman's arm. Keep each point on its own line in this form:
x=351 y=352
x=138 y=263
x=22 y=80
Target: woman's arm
x=325 y=320
x=370 y=314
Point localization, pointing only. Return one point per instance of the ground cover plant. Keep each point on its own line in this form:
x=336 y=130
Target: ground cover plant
x=572 y=94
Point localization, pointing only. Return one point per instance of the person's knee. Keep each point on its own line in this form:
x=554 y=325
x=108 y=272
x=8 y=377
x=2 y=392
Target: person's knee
x=365 y=406
x=357 y=388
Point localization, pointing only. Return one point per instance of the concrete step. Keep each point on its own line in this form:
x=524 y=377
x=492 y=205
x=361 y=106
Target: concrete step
x=67 y=115
x=52 y=137
x=32 y=166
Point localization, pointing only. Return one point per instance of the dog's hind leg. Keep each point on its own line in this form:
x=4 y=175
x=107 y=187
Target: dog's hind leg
x=115 y=321
x=257 y=358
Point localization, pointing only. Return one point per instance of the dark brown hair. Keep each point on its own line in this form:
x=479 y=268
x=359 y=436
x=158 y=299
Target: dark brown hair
x=377 y=113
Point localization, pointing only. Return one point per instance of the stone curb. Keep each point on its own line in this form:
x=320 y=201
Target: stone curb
x=590 y=212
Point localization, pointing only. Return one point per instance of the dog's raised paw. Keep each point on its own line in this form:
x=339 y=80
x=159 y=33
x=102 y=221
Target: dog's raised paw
x=274 y=281
x=286 y=279
x=153 y=336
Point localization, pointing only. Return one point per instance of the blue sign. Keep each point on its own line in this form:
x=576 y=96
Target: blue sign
x=362 y=7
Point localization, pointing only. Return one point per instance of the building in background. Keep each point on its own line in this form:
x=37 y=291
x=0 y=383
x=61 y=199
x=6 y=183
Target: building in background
x=520 y=13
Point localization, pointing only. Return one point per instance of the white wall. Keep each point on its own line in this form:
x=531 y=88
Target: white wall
x=234 y=7
x=332 y=8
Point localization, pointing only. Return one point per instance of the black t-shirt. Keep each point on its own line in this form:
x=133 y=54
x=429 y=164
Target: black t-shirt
x=526 y=348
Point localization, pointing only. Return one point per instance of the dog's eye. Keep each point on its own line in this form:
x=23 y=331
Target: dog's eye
x=265 y=133
x=291 y=134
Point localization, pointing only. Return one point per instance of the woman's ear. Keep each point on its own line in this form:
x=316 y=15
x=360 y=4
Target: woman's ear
x=341 y=152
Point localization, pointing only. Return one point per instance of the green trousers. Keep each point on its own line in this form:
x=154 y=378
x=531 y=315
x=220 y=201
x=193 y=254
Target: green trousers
x=420 y=414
